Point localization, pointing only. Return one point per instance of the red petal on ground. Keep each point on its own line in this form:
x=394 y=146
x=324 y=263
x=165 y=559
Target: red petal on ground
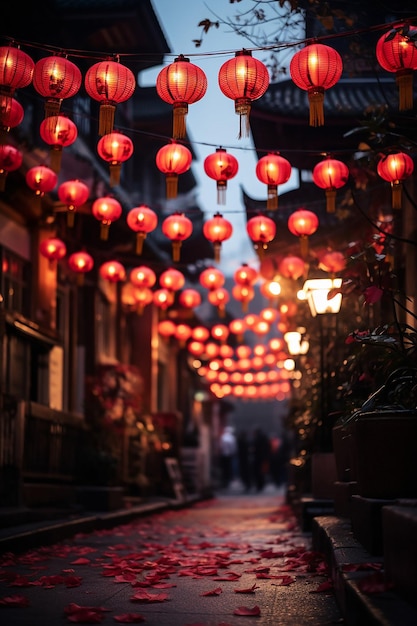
x=375 y=583
x=16 y=600
x=86 y=616
x=72 y=581
x=144 y=596
x=81 y=561
x=73 y=608
x=213 y=592
x=129 y=618
x=286 y=580
x=327 y=585
x=358 y=567
x=245 y=610
x=125 y=578
x=231 y=576
x=248 y=589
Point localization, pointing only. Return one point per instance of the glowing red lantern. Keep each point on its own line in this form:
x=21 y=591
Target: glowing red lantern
x=273 y=170
x=142 y=220
x=115 y=148
x=113 y=271
x=16 y=69
x=172 y=279
x=106 y=210
x=58 y=132
x=219 y=298
x=53 y=249
x=177 y=228
x=261 y=230
x=395 y=168
x=268 y=314
x=56 y=78
x=80 y=263
x=143 y=297
x=238 y=327
x=41 y=179
x=110 y=83
x=220 y=332
x=270 y=289
x=10 y=160
x=196 y=348
x=212 y=278
x=217 y=229
x=332 y=262
x=200 y=333
x=330 y=175
x=243 y=294
x=221 y=166
x=172 y=160
x=302 y=224
x=315 y=68
x=181 y=83
x=163 y=298
x=189 y=298
x=182 y=333
x=166 y=328
x=142 y=276
x=292 y=267
x=243 y=79
x=396 y=52
x=11 y=112
x=73 y=193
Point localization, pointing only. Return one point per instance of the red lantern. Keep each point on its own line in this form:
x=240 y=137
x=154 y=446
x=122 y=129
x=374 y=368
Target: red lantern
x=110 y=83
x=113 y=271
x=182 y=333
x=41 y=179
x=177 y=228
x=172 y=279
x=196 y=348
x=10 y=160
x=238 y=327
x=142 y=276
x=11 y=112
x=72 y=193
x=115 y=148
x=396 y=52
x=261 y=230
x=245 y=275
x=80 y=263
x=330 y=175
x=315 y=68
x=143 y=297
x=302 y=224
x=273 y=170
x=332 y=262
x=395 y=168
x=166 y=328
x=189 y=299
x=16 y=69
x=220 y=332
x=217 y=229
x=106 y=210
x=53 y=249
x=172 y=160
x=163 y=298
x=56 y=78
x=181 y=83
x=270 y=289
x=58 y=131
x=212 y=278
x=219 y=298
x=200 y=333
x=292 y=267
x=243 y=294
x=142 y=220
x=243 y=79
x=221 y=166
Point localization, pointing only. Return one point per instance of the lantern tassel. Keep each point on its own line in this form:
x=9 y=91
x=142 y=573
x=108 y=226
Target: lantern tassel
x=172 y=186
x=217 y=248
x=104 y=231
x=106 y=119
x=304 y=246
x=115 y=169
x=70 y=217
x=221 y=310
x=179 y=120
x=272 y=201
x=52 y=107
x=55 y=155
x=396 y=195
x=404 y=80
x=316 y=100
x=242 y=108
x=331 y=200
x=221 y=191
x=140 y=238
x=176 y=248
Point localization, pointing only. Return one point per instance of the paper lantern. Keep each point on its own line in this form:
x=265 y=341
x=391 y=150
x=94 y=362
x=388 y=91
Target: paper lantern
x=200 y=333
x=115 y=148
x=58 y=131
x=106 y=210
x=56 y=78
x=142 y=276
x=302 y=224
x=332 y=262
x=220 y=332
x=396 y=52
x=261 y=230
x=53 y=249
x=163 y=298
x=10 y=160
x=212 y=278
x=219 y=298
x=81 y=263
x=41 y=179
x=73 y=193
x=166 y=328
x=110 y=83
x=177 y=227
x=245 y=275
x=189 y=298
x=330 y=175
x=217 y=229
x=182 y=333
x=243 y=294
x=273 y=170
x=172 y=160
x=292 y=267
x=16 y=69
x=238 y=327
x=172 y=279
x=196 y=348
x=112 y=271
x=395 y=168
x=243 y=79
x=142 y=220
x=181 y=83
x=143 y=297
x=11 y=112
x=315 y=68
x=221 y=166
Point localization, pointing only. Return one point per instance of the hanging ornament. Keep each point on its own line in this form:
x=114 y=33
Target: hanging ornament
x=41 y=179
x=217 y=229
x=143 y=296
x=181 y=83
x=221 y=166
x=292 y=267
x=243 y=294
x=73 y=193
x=219 y=298
x=80 y=263
x=212 y=278
x=110 y=83
x=302 y=224
x=11 y=112
x=238 y=328
x=220 y=332
x=177 y=228
x=396 y=52
x=245 y=275
x=106 y=210
x=142 y=220
x=315 y=68
x=189 y=298
x=53 y=249
x=163 y=298
x=142 y=276
x=330 y=174
x=10 y=160
x=56 y=78
x=172 y=279
x=182 y=333
x=200 y=333
x=112 y=271
x=115 y=148
x=261 y=230
x=172 y=160
x=58 y=132
x=332 y=262
x=243 y=79
x=395 y=168
x=16 y=69
x=166 y=328
x=273 y=170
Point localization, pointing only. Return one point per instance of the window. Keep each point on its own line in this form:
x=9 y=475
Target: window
x=15 y=283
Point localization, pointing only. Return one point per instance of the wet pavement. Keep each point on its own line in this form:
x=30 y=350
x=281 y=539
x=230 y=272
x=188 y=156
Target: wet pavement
x=234 y=559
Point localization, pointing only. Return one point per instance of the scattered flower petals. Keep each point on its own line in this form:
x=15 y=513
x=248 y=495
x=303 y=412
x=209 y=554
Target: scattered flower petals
x=84 y=614
x=248 y=589
x=375 y=583
x=15 y=600
x=144 y=596
x=129 y=618
x=245 y=610
x=327 y=585
x=213 y=592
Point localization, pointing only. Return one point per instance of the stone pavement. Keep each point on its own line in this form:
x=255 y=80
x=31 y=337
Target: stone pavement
x=200 y=564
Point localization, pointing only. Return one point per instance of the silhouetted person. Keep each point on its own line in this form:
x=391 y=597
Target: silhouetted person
x=243 y=451
x=228 y=450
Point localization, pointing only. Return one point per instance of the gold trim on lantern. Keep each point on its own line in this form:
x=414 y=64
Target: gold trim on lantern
x=396 y=194
x=106 y=119
x=180 y=110
x=316 y=101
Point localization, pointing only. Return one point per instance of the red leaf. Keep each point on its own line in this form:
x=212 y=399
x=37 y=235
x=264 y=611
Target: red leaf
x=14 y=601
x=72 y=581
x=245 y=610
x=129 y=618
x=81 y=561
x=144 y=596
x=375 y=583
x=213 y=592
x=248 y=589
x=327 y=585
